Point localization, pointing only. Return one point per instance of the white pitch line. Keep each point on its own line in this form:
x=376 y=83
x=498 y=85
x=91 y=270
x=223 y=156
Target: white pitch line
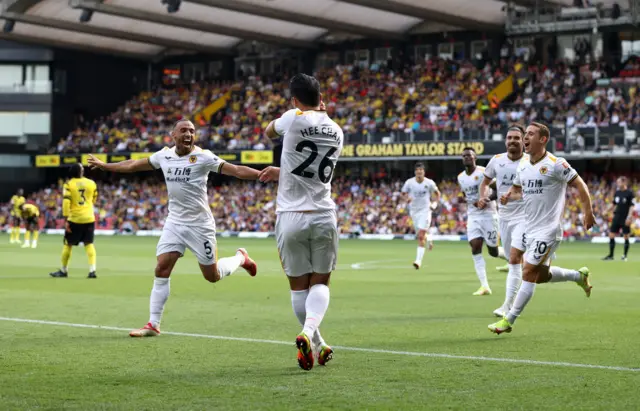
x=356 y=349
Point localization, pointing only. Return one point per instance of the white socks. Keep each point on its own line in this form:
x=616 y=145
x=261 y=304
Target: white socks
x=316 y=306
x=513 y=283
x=481 y=269
x=63 y=269
x=228 y=265
x=419 y=254
x=92 y=268
x=159 y=296
x=559 y=274
x=298 y=302
x=522 y=299
x=501 y=254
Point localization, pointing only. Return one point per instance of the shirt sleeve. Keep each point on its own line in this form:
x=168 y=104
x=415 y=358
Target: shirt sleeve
x=434 y=186
x=405 y=187
x=213 y=162
x=564 y=171
x=156 y=159
x=490 y=171
x=282 y=124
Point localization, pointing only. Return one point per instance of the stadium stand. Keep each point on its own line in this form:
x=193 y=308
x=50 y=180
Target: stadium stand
x=364 y=207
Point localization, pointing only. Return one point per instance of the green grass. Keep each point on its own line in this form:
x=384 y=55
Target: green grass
x=385 y=304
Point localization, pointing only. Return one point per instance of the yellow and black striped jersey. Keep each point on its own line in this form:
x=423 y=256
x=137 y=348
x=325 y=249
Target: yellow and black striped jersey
x=79 y=195
x=16 y=202
x=30 y=211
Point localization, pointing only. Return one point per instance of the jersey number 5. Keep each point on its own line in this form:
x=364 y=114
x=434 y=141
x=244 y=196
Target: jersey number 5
x=301 y=170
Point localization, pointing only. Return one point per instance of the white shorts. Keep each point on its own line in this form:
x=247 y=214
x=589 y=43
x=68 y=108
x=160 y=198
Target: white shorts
x=540 y=251
x=307 y=242
x=201 y=240
x=486 y=228
x=512 y=236
x=421 y=220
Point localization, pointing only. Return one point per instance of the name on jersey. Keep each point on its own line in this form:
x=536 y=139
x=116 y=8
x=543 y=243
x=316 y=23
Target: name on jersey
x=324 y=130
x=178 y=174
x=533 y=187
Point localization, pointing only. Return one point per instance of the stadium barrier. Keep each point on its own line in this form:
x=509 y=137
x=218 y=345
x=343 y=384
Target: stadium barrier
x=343 y=236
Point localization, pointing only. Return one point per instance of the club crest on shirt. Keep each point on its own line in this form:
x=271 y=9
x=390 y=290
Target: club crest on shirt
x=543 y=170
x=476 y=178
x=192 y=159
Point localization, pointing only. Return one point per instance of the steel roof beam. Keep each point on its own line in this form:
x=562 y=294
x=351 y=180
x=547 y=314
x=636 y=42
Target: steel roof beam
x=425 y=14
x=110 y=33
x=173 y=20
x=292 y=17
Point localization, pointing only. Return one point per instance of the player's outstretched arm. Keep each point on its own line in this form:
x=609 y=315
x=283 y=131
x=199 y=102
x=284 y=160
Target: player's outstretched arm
x=127 y=166
x=585 y=201
x=241 y=172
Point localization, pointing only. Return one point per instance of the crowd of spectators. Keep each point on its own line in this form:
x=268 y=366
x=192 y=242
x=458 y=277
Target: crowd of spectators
x=371 y=207
x=434 y=94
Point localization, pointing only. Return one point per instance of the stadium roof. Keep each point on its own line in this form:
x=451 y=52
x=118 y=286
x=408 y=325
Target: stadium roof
x=144 y=29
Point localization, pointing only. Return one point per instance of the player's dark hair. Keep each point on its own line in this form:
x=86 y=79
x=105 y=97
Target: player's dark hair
x=516 y=127
x=306 y=89
x=470 y=149
x=419 y=165
x=76 y=170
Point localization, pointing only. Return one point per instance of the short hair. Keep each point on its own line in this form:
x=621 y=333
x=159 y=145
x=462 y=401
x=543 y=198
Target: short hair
x=419 y=165
x=178 y=122
x=543 y=130
x=76 y=170
x=516 y=127
x=470 y=149
x=306 y=89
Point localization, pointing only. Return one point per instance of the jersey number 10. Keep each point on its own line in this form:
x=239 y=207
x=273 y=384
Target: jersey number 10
x=301 y=170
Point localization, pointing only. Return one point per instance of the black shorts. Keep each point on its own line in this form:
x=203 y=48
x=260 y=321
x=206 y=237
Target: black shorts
x=618 y=224
x=80 y=233
x=31 y=222
x=15 y=220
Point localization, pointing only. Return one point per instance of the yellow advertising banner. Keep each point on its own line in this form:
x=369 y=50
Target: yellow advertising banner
x=48 y=160
x=101 y=157
x=256 y=157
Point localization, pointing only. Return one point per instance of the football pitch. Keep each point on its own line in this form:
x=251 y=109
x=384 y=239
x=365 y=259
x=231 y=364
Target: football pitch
x=403 y=339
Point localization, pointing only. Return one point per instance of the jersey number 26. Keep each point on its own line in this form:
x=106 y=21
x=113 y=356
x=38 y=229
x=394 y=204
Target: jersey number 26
x=301 y=170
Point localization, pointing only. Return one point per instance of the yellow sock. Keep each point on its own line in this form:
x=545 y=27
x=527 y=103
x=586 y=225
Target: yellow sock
x=66 y=256
x=27 y=236
x=36 y=234
x=91 y=255
x=12 y=234
x=15 y=232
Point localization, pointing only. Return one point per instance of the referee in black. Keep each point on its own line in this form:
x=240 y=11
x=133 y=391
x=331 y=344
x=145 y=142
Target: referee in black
x=621 y=221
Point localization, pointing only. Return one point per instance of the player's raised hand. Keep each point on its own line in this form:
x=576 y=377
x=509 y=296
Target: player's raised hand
x=95 y=162
x=269 y=174
x=589 y=220
x=505 y=198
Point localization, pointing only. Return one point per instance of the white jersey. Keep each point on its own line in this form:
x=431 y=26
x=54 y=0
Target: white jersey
x=186 y=177
x=544 y=186
x=470 y=185
x=420 y=193
x=504 y=170
x=311 y=145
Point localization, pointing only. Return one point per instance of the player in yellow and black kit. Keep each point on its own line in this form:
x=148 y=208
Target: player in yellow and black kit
x=79 y=194
x=30 y=216
x=16 y=216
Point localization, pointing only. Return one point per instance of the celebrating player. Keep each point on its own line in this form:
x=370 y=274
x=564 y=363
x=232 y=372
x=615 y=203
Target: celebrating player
x=419 y=190
x=78 y=196
x=503 y=168
x=30 y=215
x=16 y=217
x=541 y=181
x=306 y=225
x=482 y=223
x=190 y=223
x=623 y=200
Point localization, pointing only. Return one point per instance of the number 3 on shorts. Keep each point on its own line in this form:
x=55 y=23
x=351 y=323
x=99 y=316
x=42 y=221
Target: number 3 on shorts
x=208 y=251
